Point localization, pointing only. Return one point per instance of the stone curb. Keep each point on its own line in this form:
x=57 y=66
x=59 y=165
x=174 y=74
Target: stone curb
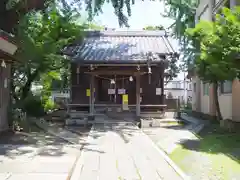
x=194 y=127
x=167 y=159
x=77 y=167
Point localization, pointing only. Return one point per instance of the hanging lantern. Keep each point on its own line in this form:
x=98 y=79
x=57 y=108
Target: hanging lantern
x=3 y=64
x=149 y=74
x=138 y=68
x=149 y=70
x=78 y=72
x=91 y=67
x=112 y=81
x=131 y=78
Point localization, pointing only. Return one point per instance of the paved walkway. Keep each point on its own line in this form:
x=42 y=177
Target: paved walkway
x=38 y=156
x=118 y=151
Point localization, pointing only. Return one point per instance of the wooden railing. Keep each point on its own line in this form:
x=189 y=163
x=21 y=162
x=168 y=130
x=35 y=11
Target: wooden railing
x=117 y=105
x=144 y=107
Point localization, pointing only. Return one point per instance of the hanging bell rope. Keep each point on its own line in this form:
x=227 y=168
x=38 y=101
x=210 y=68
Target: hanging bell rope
x=116 y=79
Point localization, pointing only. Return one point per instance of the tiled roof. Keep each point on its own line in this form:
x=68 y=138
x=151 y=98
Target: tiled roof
x=119 y=47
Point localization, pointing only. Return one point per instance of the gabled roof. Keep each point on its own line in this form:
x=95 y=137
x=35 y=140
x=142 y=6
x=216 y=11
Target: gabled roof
x=100 y=47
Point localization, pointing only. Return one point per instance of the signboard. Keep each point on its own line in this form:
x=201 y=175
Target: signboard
x=125 y=98
x=158 y=91
x=140 y=90
x=121 y=91
x=125 y=102
x=111 y=91
x=88 y=93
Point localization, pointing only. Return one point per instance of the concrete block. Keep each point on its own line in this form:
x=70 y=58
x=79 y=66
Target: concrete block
x=81 y=122
x=70 y=121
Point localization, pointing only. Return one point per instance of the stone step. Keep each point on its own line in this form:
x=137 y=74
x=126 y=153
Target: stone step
x=77 y=115
x=149 y=123
x=71 y=122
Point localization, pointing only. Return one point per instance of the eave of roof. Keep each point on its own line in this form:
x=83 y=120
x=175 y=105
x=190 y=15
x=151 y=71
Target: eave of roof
x=119 y=47
x=8 y=46
x=8 y=37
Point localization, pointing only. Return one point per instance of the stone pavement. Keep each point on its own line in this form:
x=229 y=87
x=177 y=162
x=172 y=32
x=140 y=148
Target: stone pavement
x=121 y=151
x=170 y=136
x=39 y=156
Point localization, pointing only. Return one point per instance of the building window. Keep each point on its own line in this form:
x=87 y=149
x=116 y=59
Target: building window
x=205 y=89
x=194 y=87
x=226 y=87
x=213 y=3
x=203 y=13
x=190 y=87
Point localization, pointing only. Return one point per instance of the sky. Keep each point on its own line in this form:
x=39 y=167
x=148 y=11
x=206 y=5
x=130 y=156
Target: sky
x=144 y=13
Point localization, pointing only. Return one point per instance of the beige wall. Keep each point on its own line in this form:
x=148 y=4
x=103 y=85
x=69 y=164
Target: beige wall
x=225 y=103
x=236 y=100
x=207 y=103
x=196 y=96
x=204 y=101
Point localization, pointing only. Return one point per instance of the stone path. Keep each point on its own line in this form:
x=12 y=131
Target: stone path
x=119 y=151
x=37 y=156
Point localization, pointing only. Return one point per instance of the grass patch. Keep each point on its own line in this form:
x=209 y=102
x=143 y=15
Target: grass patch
x=175 y=123
x=172 y=122
x=219 y=148
x=178 y=156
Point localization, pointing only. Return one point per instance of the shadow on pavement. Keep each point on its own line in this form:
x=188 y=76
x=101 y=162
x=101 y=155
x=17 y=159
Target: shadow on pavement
x=228 y=144
x=14 y=145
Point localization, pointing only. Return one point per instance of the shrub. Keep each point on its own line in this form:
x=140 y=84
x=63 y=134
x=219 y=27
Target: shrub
x=33 y=106
x=49 y=105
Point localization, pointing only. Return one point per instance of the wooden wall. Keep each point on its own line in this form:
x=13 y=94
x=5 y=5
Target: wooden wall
x=79 y=85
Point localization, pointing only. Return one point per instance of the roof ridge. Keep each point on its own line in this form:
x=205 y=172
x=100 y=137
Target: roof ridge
x=143 y=33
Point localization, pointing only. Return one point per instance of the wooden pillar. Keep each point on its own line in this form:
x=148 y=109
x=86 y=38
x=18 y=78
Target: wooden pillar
x=162 y=87
x=138 y=95
x=91 y=95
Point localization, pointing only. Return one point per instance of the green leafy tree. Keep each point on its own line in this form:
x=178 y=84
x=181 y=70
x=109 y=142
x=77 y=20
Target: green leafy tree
x=172 y=70
x=181 y=12
x=42 y=37
x=219 y=48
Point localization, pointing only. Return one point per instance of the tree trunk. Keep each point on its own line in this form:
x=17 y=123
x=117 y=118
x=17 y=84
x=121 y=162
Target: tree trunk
x=215 y=93
x=27 y=87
